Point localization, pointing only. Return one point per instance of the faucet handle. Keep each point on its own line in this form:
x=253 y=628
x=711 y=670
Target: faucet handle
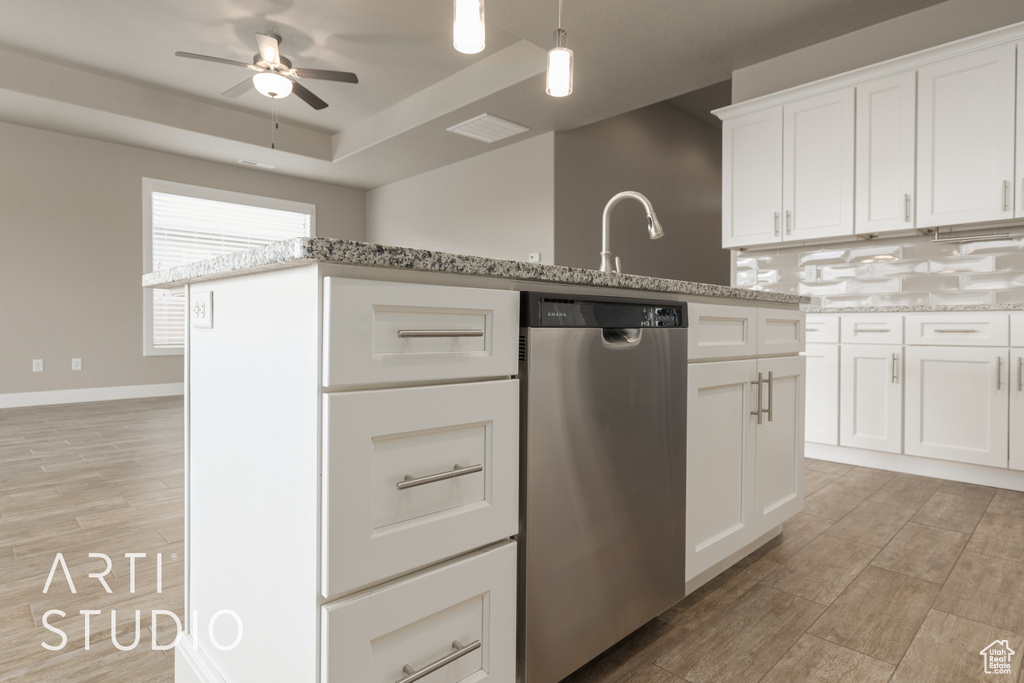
x=618 y=265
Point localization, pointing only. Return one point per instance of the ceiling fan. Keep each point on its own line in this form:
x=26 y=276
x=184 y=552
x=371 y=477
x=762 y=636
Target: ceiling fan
x=275 y=77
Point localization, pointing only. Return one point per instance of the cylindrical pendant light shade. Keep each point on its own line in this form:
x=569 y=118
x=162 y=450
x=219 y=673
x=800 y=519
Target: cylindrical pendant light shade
x=559 y=72
x=272 y=85
x=469 y=26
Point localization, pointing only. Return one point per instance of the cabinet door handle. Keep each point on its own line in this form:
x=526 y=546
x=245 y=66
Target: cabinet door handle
x=870 y=329
x=999 y=373
x=757 y=413
x=811 y=329
x=412 y=675
x=895 y=368
x=1020 y=373
x=410 y=481
x=1006 y=195
x=789 y=222
x=906 y=208
x=771 y=396
x=420 y=334
x=964 y=331
x=775 y=221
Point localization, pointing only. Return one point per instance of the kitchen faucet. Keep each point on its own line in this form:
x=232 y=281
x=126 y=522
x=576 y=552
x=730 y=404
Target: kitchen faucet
x=653 y=228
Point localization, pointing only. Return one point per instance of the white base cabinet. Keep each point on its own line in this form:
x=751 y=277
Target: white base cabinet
x=956 y=404
x=822 y=410
x=871 y=397
x=779 y=453
x=1017 y=409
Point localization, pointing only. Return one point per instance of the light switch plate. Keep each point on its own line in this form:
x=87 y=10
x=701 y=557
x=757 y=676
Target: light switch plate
x=201 y=309
x=810 y=273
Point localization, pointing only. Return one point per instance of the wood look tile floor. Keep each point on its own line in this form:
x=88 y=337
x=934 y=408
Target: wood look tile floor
x=90 y=478
x=883 y=577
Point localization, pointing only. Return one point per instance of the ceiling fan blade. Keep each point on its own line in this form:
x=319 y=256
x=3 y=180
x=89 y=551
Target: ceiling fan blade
x=239 y=89
x=306 y=96
x=268 y=46
x=326 y=75
x=192 y=55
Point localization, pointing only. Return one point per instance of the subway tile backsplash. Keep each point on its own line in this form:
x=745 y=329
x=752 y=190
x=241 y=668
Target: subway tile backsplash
x=894 y=272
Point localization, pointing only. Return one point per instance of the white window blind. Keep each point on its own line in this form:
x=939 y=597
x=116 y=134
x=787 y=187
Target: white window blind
x=187 y=229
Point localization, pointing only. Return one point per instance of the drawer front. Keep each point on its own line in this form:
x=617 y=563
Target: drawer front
x=822 y=329
x=721 y=331
x=779 y=331
x=395 y=332
x=376 y=441
x=416 y=622
x=959 y=329
x=1017 y=329
x=872 y=329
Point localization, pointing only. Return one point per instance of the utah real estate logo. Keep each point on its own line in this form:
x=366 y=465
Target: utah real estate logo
x=997 y=657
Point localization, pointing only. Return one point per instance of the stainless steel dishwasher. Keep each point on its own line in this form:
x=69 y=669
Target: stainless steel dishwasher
x=603 y=482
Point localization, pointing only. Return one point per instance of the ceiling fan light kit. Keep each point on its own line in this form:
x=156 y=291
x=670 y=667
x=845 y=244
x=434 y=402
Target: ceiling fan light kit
x=272 y=85
x=469 y=26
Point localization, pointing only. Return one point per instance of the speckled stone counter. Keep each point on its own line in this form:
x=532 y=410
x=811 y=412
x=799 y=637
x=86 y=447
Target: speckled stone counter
x=915 y=309
x=302 y=250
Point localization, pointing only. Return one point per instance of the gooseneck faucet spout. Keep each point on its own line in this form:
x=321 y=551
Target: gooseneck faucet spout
x=653 y=227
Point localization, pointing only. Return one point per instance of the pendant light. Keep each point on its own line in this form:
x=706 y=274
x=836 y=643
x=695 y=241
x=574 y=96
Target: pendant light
x=469 y=26
x=559 y=83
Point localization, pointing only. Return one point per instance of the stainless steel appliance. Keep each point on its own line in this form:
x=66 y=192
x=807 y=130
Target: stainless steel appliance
x=603 y=504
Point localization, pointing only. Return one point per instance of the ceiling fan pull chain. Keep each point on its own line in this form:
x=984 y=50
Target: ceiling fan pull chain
x=273 y=121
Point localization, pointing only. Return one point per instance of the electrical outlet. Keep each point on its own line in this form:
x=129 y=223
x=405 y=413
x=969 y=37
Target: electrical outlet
x=76 y=363
x=201 y=309
x=37 y=365
x=535 y=257
x=810 y=273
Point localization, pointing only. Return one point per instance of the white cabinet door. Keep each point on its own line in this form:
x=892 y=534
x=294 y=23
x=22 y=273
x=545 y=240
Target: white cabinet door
x=871 y=396
x=779 y=454
x=817 y=184
x=719 y=462
x=752 y=179
x=822 y=414
x=956 y=404
x=1016 y=409
x=965 y=129
x=1019 y=182
x=886 y=127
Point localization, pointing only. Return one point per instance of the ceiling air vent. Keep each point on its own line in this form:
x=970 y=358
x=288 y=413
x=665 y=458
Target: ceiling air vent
x=487 y=128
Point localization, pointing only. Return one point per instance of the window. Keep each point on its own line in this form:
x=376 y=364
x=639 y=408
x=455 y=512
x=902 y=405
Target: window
x=187 y=223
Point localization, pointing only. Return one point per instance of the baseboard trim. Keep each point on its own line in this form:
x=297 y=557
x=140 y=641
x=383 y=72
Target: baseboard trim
x=49 y=398
x=191 y=665
x=967 y=473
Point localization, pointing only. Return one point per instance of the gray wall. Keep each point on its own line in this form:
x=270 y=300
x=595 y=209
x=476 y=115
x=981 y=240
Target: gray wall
x=498 y=204
x=664 y=153
x=919 y=30
x=71 y=253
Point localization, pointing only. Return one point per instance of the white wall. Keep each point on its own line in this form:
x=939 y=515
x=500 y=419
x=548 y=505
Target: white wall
x=935 y=25
x=499 y=204
x=71 y=253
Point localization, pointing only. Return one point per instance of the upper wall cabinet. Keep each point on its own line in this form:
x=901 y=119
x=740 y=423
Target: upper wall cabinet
x=886 y=109
x=1019 y=180
x=788 y=172
x=965 y=132
x=752 y=178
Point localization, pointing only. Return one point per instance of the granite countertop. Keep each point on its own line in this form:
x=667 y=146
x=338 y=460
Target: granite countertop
x=301 y=250
x=947 y=308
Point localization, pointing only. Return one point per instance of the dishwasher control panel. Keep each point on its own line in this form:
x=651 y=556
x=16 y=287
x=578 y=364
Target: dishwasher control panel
x=546 y=310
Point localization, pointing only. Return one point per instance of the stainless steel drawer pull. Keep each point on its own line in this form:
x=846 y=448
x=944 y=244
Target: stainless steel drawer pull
x=1020 y=373
x=759 y=412
x=415 y=334
x=906 y=208
x=965 y=331
x=895 y=366
x=789 y=222
x=411 y=481
x=771 y=397
x=811 y=329
x=776 y=222
x=999 y=373
x=1006 y=195
x=870 y=329
x=461 y=650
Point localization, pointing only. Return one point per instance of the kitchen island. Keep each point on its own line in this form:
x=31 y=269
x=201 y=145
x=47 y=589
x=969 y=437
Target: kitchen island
x=309 y=395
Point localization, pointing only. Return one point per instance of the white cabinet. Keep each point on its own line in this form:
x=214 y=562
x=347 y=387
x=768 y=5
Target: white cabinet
x=817 y=182
x=822 y=412
x=1016 y=409
x=752 y=179
x=966 y=126
x=956 y=404
x=718 y=331
x=1019 y=179
x=779 y=454
x=886 y=127
x=871 y=397
x=720 y=461
x=744 y=472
